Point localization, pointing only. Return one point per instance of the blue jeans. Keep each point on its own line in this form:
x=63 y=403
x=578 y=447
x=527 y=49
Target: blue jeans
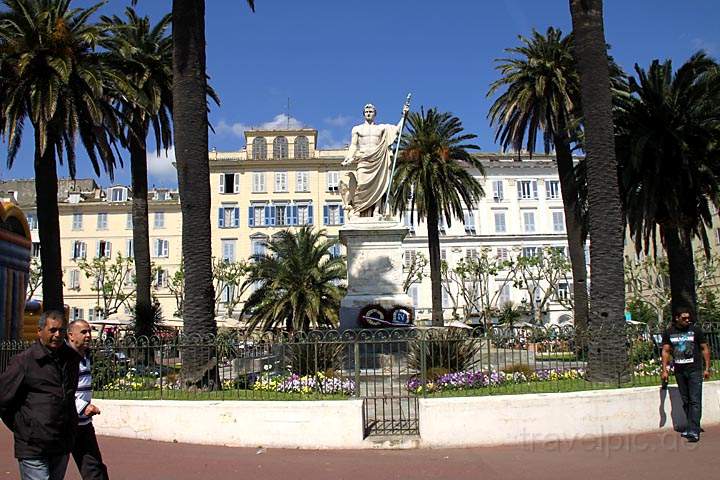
x=46 y=468
x=689 y=384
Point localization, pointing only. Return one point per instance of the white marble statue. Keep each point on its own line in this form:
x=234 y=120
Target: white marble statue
x=363 y=190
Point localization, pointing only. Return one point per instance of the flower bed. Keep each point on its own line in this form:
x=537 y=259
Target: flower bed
x=318 y=383
x=473 y=380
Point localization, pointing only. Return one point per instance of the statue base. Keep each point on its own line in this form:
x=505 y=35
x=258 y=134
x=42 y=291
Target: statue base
x=375 y=275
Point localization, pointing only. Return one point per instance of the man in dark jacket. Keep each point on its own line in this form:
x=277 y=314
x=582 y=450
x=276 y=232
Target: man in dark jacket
x=37 y=401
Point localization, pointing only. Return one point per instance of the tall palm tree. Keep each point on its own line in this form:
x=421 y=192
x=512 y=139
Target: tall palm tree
x=297 y=283
x=542 y=93
x=140 y=59
x=667 y=144
x=433 y=176
x=51 y=76
x=607 y=353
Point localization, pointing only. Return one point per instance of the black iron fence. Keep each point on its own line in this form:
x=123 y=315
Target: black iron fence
x=388 y=369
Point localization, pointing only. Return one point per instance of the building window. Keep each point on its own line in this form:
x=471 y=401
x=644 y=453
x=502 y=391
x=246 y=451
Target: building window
x=35 y=249
x=503 y=254
x=500 y=226
x=469 y=221
x=159 y=220
x=228 y=250
x=79 y=250
x=104 y=249
x=443 y=255
x=498 y=194
x=129 y=280
x=409 y=258
x=302 y=147
x=280 y=148
x=77 y=220
x=717 y=235
x=256 y=215
x=76 y=313
x=530 y=251
x=552 y=189
x=161 y=278
x=161 y=249
x=528 y=222
x=258 y=182
x=161 y=195
x=446 y=301
x=471 y=254
x=333 y=181
x=563 y=291
x=414 y=294
x=259 y=148
x=558 y=221
x=334 y=250
x=129 y=221
x=302 y=182
x=258 y=246
x=32 y=221
x=333 y=214
x=118 y=194
x=229 y=217
x=503 y=295
x=102 y=221
x=129 y=247
x=304 y=214
x=74 y=282
x=527 y=189
x=281 y=181
x=229 y=183
x=442 y=224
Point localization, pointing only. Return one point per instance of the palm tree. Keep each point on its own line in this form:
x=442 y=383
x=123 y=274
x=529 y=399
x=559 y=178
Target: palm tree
x=51 y=76
x=666 y=141
x=297 y=283
x=432 y=174
x=543 y=94
x=607 y=354
x=140 y=59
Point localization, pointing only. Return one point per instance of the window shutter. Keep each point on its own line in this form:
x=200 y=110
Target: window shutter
x=267 y=215
x=326 y=215
x=272 y=215
x=236 y=217
x=97 y=249
x=342 y=214
x=534 y=189
x=108 y=249
x=519 y=189
x=237 y=183
x=262 y=181
x=222 y=183
x=310 y=215
x=166 y=248
x=251 y=217
x=293 y=215
x=83 y=250
x=221 y=217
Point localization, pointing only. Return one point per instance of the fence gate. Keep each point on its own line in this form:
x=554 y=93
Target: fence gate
x=381 y=375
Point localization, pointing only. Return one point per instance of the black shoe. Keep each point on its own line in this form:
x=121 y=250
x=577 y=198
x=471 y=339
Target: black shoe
x=693 y=437
x=685 y=434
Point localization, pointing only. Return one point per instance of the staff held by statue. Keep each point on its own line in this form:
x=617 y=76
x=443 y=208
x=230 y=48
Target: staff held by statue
x=395 y=154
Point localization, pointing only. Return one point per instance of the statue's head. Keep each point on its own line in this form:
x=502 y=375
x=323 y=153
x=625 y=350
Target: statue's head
x=369 y=112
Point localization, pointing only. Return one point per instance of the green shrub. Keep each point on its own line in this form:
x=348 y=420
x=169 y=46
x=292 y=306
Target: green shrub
x=523 y=368
x=310 y=358
x=641 y=351
x=447 y=350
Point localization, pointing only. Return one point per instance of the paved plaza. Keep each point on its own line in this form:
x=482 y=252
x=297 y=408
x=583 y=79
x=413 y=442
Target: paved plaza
x=652 y=456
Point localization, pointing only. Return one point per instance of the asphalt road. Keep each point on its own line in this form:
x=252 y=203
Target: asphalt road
x=652 y=456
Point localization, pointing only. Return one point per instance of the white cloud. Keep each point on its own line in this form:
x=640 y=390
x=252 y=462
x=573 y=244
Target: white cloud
x=279 y=122
x=326 y=139
x=337 y=120
x=160 y=167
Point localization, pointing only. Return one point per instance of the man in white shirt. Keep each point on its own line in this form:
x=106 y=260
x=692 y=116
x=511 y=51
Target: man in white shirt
x=86 y=451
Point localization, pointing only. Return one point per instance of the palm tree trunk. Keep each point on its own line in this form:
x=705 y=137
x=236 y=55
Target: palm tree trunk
x=607 y=359
x=434 y=254
x=573 y=225
x=141 y=231
x=46 y=191
x=678 y=243
x=191 y=151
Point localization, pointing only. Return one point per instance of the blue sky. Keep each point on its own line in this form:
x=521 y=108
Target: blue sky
x=331 y=57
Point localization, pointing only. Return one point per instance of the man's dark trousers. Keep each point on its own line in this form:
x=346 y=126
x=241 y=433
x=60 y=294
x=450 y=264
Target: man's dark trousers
x=87 y=454
x=689 y=382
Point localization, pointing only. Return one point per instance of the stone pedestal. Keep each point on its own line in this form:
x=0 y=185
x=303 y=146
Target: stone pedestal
x=375 y=273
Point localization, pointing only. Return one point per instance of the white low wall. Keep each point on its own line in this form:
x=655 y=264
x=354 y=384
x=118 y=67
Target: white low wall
x=444 y=422
x=550 y=417
x=299 y=424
